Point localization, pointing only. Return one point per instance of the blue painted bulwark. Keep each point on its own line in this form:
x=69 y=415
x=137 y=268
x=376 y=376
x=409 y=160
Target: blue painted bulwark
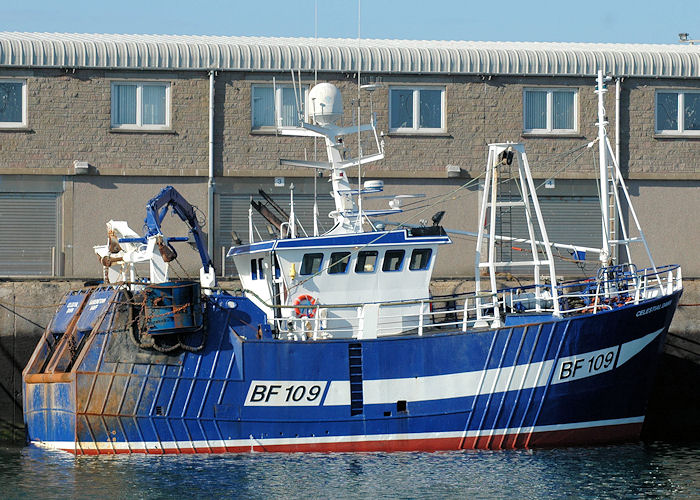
x=568 y=381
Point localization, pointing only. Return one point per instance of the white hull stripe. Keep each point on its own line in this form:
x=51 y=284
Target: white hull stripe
x=253 y=441
x=494 y=380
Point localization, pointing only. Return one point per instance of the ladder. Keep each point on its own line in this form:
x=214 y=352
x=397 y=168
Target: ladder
x=504 y=211
x=500 y=158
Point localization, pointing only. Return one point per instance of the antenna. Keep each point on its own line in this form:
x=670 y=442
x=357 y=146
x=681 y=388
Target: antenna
x=359 y=141
x=314 y=105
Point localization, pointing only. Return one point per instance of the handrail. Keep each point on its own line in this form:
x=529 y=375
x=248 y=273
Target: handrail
x=460 y=310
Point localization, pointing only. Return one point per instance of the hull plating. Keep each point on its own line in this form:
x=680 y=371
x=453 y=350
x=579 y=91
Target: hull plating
x=582 y=380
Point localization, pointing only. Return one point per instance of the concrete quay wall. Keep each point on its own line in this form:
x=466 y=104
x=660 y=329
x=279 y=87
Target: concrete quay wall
x=27 y=306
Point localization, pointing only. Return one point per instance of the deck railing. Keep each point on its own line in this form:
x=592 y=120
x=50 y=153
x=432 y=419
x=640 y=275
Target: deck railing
x=612 y=287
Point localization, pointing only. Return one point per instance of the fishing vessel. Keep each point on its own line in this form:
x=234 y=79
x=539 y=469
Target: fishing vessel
x=335 y=342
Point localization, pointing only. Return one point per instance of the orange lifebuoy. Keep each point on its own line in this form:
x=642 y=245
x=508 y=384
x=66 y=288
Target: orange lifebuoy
x=306 y=302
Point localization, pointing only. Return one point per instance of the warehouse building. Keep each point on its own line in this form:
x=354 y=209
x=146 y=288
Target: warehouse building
x=92 y=126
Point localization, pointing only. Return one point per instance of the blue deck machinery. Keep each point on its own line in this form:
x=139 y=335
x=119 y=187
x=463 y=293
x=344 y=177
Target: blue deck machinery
x=101 y=368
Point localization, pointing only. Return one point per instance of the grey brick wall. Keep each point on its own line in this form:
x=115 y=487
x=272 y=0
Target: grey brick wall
x=652 y=156
x=69 y=119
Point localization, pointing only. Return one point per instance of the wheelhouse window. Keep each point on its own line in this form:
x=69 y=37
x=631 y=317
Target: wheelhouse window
x=366 y=261
x=311 y=263
x=677 y=112
x=140 y=105
x=393 y=259
x=420 y=259
x=339 y=262
x=417 y=109
x=550 y=111
x=276 y=106
x=13 y=103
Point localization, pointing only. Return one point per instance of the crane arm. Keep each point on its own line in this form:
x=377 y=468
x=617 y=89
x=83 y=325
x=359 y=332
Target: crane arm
x=156 y=209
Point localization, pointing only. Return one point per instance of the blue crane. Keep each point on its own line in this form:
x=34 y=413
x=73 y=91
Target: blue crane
x=156 y=210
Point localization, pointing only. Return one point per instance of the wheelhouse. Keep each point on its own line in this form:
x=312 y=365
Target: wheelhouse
x=339 y=273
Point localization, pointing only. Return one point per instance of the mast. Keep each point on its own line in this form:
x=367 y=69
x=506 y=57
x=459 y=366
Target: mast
x=605 y=254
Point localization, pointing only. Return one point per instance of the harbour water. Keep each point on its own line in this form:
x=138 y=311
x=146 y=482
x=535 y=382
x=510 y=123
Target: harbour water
x=640 y=470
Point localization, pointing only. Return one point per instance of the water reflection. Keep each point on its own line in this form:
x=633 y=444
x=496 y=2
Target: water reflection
x=637 y=470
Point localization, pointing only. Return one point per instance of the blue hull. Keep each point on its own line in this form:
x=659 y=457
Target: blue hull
x=578 y=380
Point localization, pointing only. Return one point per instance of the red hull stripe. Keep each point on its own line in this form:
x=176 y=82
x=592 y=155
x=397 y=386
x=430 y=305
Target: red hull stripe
x=565 y=437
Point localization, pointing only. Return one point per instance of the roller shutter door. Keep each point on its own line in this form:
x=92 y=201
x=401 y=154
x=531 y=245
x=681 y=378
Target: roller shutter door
x=233 y=217
x=29 y=233
x=568 y=219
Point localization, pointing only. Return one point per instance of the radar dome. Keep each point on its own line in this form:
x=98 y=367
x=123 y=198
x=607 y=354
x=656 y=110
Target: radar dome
x=325 y=104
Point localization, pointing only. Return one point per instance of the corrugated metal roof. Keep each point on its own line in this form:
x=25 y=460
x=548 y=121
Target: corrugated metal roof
x=178 y=52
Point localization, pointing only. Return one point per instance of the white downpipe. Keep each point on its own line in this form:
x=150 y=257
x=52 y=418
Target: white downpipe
x=211 y=182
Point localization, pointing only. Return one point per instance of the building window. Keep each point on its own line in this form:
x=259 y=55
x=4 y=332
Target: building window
x=366 y=261
x=550 y=111
x=393 y=260
x=417 y=109
x=339 y=262
x=276 y=106
x=141 y=105
x=678 y=112
x=13 y=103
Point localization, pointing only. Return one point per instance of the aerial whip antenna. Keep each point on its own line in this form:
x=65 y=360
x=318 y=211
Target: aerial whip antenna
x=359 y=142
